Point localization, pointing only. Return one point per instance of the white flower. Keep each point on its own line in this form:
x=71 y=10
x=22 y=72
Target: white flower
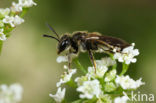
x=90 y=89
x=107 y=61
x=4 y=12
x=2 y=35
x=122 y=99
x=81 y=79
x=100 y=71
x=62 y=59
x=13 y=21
x=1 y=23
x=104 y=98
x=16 y=7
x=65 y=67
x=110 y=86
x=101 y=68
x=66 y=77
x=18 y=20
x=127 y=83
x=11 y=94
x=9 y=20
x=59 y=96
x=18 y=90
x=110 y=75
x=27 y=3
x=127 y=55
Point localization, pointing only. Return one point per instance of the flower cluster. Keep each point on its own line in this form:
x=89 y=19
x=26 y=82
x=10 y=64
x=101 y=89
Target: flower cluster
x=11 y=17
x=127 y=54
x=11 y=94
x=104 y=86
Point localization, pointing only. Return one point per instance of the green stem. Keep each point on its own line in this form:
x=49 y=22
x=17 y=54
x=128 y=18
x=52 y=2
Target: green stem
x=1 y=45
x=78 y=101
x=114 y=66
x=102 y=83
x=64 y=101
x=72 y=84
x=124 y=68
x=93 y=100
x=25 y=10
x=112 y=57
x=78 y=64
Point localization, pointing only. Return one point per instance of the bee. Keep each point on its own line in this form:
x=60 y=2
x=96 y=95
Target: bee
x=82 y=41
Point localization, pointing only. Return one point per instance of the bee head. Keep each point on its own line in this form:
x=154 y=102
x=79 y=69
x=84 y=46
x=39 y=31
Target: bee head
x=64 y=43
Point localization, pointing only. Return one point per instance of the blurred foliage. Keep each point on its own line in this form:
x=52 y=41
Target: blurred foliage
x=30 y=59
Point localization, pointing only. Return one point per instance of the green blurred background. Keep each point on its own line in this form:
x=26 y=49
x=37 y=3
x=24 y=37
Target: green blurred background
x=30 y=59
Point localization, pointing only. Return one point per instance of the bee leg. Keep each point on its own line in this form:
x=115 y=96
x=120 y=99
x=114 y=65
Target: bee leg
x=91 y=56
x=69 y=60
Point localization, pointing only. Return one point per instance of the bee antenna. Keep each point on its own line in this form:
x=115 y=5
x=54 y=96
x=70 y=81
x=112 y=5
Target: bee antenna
x=49 y=36
x=52 y=30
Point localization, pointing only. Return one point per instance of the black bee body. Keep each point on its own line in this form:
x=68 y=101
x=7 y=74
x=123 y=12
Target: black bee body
x=83 y=41
x=90 y=42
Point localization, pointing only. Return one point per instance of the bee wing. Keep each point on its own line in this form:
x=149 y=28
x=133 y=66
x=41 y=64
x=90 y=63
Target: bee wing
x=115 y=42
x=108 y=41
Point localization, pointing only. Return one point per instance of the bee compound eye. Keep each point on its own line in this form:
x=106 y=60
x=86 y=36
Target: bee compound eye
x=66 y=42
